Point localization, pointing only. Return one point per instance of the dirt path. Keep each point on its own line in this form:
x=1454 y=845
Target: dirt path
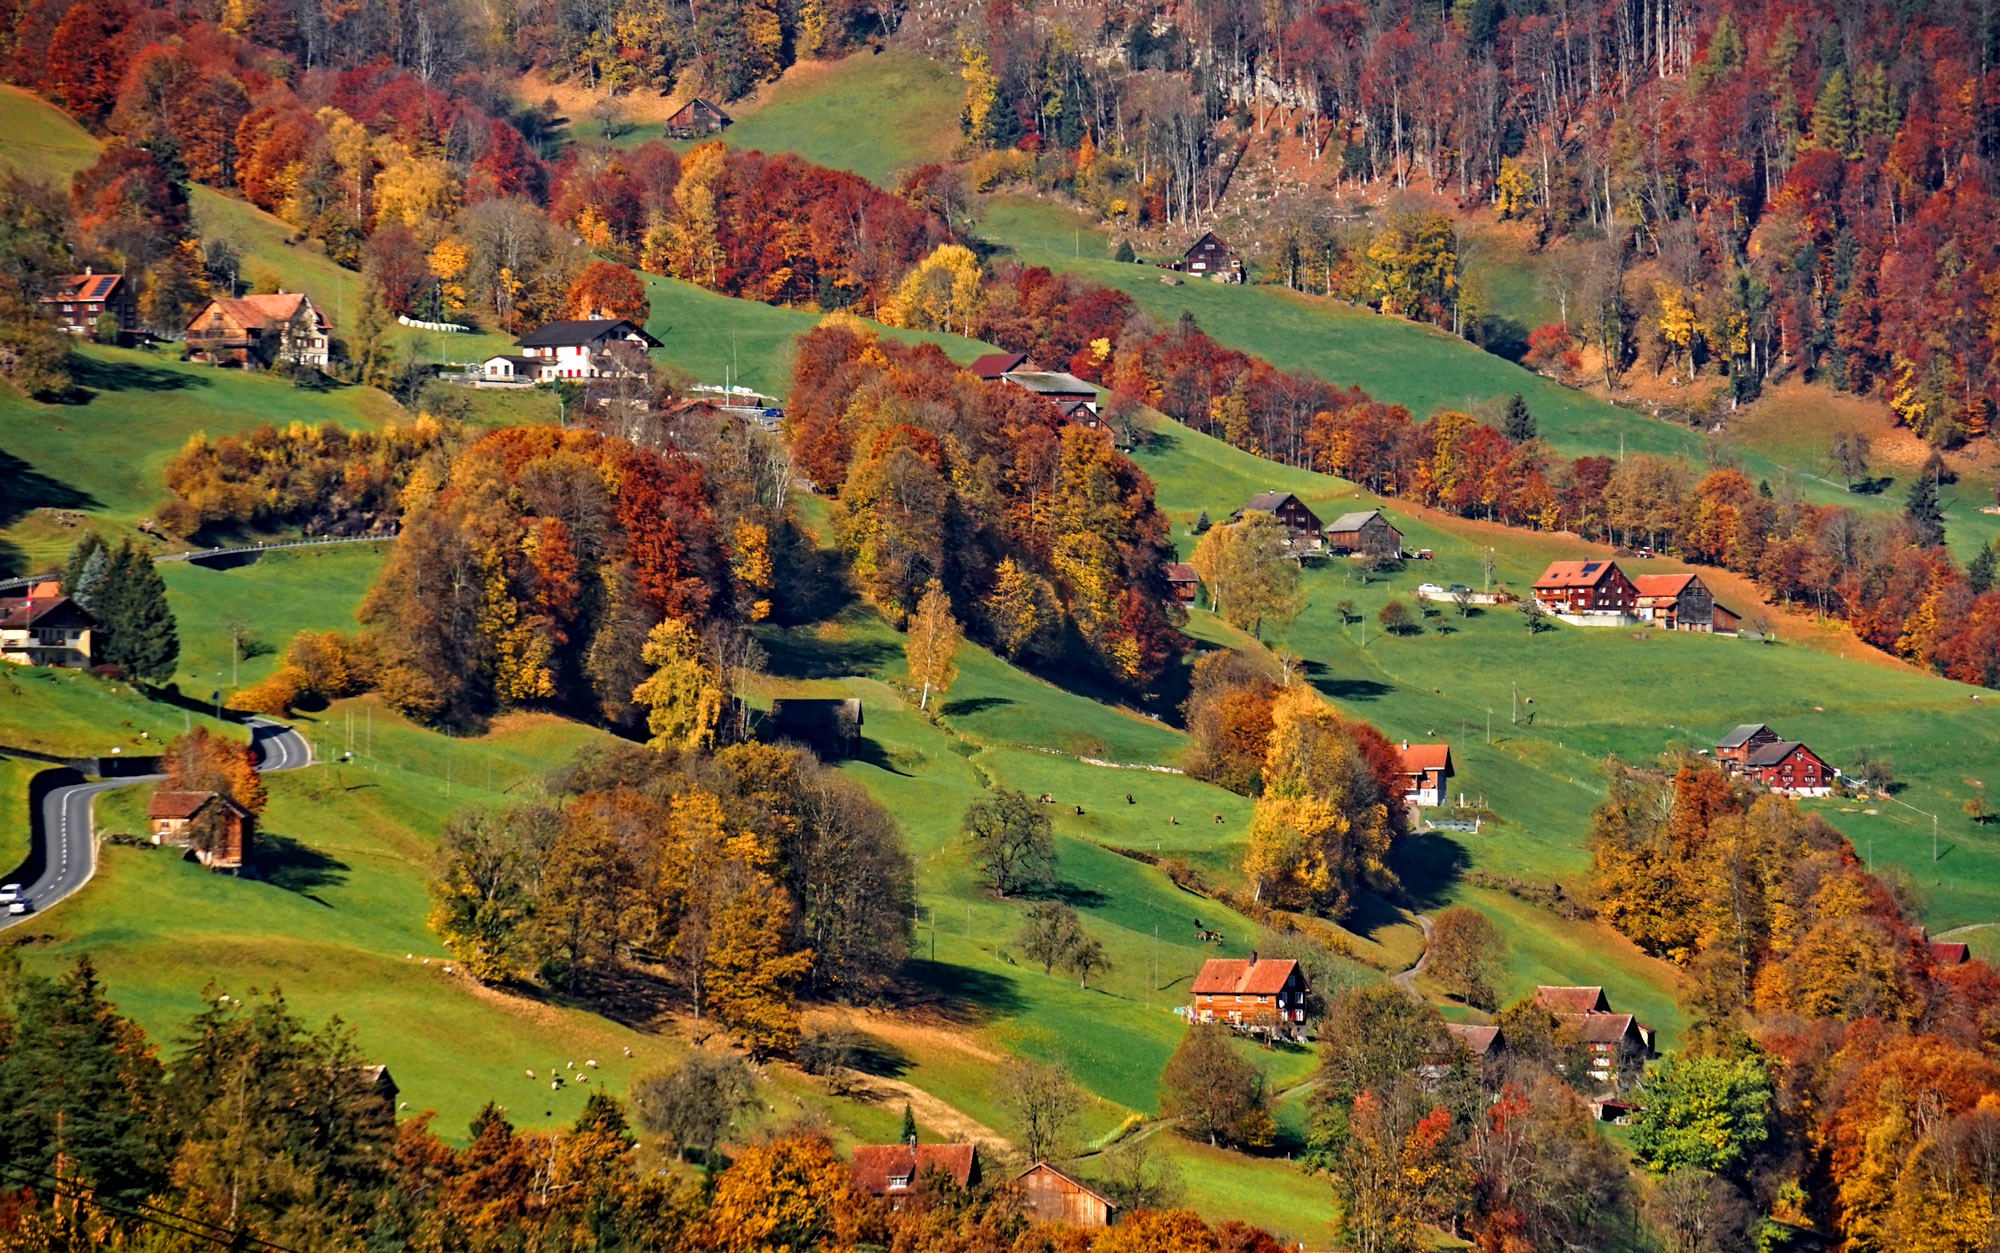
x=1408 y=979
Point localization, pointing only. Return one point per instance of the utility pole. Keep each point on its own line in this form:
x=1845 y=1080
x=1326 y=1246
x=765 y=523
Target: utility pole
x=1934 y=838
x=1515 y=688
x=1489 y=724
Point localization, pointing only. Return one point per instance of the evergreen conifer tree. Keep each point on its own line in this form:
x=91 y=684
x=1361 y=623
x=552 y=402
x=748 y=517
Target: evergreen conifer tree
x=908 y=1135
x=132 y=604
x=1518 y=424
x=1925 y=517
x=83 y=571
x=1980 y=570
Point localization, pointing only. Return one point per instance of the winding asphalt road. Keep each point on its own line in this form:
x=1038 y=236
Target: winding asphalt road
x=63 y=852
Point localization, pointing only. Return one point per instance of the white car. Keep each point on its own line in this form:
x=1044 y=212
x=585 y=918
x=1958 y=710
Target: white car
x=17 y=907
x=10 y=893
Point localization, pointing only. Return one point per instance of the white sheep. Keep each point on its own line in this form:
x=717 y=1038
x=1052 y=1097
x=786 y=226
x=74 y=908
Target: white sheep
x=531 y=1074
x=628 y=1050
x=554 y=1084
x=447 y=969
x=591 y=1062
x=569 y=1065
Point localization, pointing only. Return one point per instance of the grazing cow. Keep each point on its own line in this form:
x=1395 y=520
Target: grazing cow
x=1129 y=800
x=1218 y=820
x=1079 y=811
x=1046 y=799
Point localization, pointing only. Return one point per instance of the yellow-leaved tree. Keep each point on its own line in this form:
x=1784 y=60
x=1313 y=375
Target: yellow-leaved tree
x=694 y=251
x=931 y=644
x=1324 y=824
x=683 y=700
x=941 y=293
x=751 y=978
x=783 y=1196
x=1250 y=580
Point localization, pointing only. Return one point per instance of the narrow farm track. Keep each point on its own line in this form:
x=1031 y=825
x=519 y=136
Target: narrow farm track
x=1408 y=979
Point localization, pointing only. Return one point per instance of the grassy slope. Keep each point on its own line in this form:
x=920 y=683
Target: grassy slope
x=286 y=591
x=874 y=114
x=106 y=457
x=1597 y=692
x=45 y=143
x=712 y=336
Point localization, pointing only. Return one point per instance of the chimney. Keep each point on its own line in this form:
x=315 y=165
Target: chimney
x=89 y=270
x=1253 y=957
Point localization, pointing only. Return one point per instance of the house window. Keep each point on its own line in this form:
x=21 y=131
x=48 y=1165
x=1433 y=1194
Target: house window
x=899 y=1181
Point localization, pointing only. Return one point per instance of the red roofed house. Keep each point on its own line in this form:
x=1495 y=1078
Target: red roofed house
x=1425 y=769
x=1682 y=602
x=1587 y=593
x=215 y=827
x=1185 y=582
x=45 y=628
x=1265 y=997
x=1056 y=1197
x=896 y=1170
x=78 y=300
x=995 y=366
x=1789 y=768
x=261 y=330
x=1948 y=953
x=1610 y=1037
x=1482 y=1041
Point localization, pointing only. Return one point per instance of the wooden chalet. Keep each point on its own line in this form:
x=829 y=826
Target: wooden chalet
x=1068 y=393
x=1210 y=258
x=78 y=302
x=46 y=628
x=895 y=1171
x=1302 y=522
x=1054 y=1196
x=1186 y=584
x=1564 y=999
x=1587 y=593
x=1789 y=768
x=1483 y=1041
x=1682 y=602
x=1365 y=532
x=580 y=348
x=280 y=328
x=378 y=1083
x=1748 y=737
x=698 y=116
x=1426 y=769
x=1947 y=952
x=1262 y=997
x=177 y=818
x=827 y=725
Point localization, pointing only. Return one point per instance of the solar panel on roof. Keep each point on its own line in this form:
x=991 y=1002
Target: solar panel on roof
x=1589 y=566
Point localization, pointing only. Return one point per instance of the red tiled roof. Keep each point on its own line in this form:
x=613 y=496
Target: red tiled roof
x=177 y=804
x=266 y=310
x=1418 y=758
x=875 y=1165
x=27 y=611
x=83 y=287
x=1604 y=1028
x=1478 y=1039
x=1570 y=1000
x=994 y=364
x=1661 y=587
x=1574 y=573
x=1181 y=572
x=1224 y=976
x=1947 y=953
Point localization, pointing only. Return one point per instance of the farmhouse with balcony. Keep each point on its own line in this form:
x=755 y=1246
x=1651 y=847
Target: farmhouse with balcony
x=1365 y=532
x=217 y=829
x=1731 y=749
x=584 y=348
x=1054 y=1196
x=1587 y=593
x=79 y=301
x=1303 y=523
x=698 y=116
x=1210 y=258
x=1612 y=1038
x=1426 y=769
x=45 y=628
x=1261 y=997
x=280 y=328
x=896 y=1171
x=1682 y=602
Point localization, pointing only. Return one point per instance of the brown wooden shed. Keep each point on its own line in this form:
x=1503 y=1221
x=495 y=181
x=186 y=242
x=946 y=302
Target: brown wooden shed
x=1056 y=1197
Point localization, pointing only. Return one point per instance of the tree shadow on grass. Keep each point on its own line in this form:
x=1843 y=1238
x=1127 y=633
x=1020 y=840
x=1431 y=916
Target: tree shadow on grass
x=24 y=489
x=92 y=376
x=973 y=705
x=1352 y=689
x=872 y=753
x=876 y=1056
x=1371 y=914
x=799 y=654
x=1074 y=895
x=1429 y=864
x=960 y=994
x=296 y=866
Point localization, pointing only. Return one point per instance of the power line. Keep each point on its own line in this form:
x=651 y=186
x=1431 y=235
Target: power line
x=140 y=1211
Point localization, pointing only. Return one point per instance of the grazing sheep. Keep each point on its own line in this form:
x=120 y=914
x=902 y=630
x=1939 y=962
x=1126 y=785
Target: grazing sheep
x=569 y=1065
x=583 y=1078
x=628 y=1050
x=447 y=969
x=531 y=1074
x=554 y=1084
x=591 y=1062
x=402 y=1105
